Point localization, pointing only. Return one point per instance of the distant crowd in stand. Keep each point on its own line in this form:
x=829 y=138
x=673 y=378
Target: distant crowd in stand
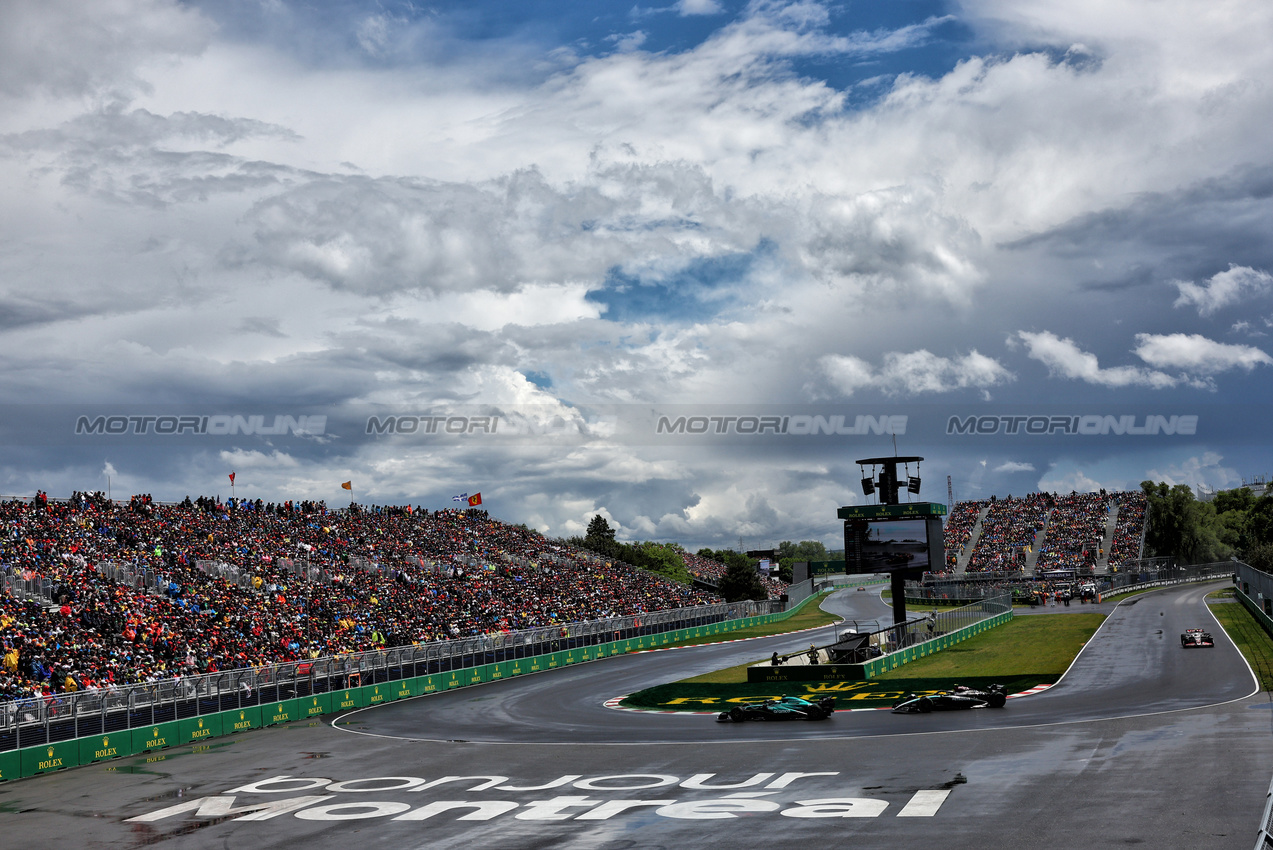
x=1075 y=531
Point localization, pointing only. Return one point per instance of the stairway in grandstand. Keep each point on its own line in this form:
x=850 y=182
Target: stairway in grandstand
x=961 y=562
x=1102 y=562
x=1032 y=557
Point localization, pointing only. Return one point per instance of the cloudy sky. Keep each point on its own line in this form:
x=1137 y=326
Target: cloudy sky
x=582 y=216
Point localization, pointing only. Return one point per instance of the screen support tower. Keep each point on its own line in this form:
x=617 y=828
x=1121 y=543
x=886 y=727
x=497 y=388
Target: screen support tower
x=887 y=485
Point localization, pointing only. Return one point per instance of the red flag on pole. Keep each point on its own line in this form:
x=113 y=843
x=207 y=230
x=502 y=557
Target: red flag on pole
x=475 y=500
x=348 y=485
x=231 y=477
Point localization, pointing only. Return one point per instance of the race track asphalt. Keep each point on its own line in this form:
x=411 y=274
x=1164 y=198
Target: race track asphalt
x=1142 y=743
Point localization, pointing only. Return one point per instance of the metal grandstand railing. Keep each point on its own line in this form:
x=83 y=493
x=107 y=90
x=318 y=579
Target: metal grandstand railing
x=56 y=717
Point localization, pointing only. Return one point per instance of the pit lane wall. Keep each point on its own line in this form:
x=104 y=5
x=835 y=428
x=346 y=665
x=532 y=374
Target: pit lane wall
x=125 y=737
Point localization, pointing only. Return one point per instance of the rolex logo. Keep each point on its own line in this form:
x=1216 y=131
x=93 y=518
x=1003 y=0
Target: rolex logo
x=50 y=752
x=106 y=742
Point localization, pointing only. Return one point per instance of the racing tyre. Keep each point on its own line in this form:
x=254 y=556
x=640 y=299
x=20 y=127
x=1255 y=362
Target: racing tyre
x=997 y=700
x=816 y=713
x=736 y=714
x=925 y=705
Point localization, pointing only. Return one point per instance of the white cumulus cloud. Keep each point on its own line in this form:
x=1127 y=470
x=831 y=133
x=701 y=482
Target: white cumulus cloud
x=1197 y=354
x=698 y=7
x=1065 y=359
x=1014 y=466
x=914 y=372
x=1222 y=289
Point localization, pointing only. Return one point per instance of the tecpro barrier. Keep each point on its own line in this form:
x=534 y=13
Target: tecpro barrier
x=186 y=712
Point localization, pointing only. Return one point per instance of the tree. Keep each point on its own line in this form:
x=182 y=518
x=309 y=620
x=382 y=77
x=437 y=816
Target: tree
x=1260 y=556
x=1182 y=527
x=742 y=581
x=599 y=530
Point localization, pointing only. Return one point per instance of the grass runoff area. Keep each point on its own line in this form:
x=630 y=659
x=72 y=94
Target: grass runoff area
x=1247 y=633
x=1020 y=654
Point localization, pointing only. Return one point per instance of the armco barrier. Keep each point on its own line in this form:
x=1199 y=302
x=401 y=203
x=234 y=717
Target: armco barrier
x=1265 y=621
x=125 y=742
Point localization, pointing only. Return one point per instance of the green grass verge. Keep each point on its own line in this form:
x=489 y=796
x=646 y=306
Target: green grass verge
x=1041 y=644
x=808 y=617
x=1020 y=654
x=1249 y=636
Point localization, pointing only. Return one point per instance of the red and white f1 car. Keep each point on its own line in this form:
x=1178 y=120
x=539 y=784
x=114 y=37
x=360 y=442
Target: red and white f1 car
x=1196 y=637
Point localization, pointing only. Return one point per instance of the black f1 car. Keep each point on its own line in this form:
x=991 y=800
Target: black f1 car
x=786 y=708
x=1196 y=637
x=994 y=696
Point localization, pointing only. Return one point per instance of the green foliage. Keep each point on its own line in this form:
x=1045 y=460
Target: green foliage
x=1182 y=527
x=599 y=531
x=1234 y=523
x=742 y=581
x=1260 y=556
x=662 y=558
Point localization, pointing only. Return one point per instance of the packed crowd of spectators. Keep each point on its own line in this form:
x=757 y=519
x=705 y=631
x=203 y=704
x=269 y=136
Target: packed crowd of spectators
x=1129 y=532
x=216 y=585
x=1076 y=531
x=1010 y=526
x=960 y=523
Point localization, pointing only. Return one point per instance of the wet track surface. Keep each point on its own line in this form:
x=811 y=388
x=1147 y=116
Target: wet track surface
x=1134 y=665
x=1143 y=742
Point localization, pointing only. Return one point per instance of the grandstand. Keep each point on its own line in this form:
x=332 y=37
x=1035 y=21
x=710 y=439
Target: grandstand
x=100 y=594
x=1046 y=532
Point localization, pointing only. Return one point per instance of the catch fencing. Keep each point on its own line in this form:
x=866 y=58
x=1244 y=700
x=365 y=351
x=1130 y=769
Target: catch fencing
x=1155 y=573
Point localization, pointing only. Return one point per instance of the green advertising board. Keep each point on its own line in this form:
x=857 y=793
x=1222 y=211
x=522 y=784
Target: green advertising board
x=156 y=737
x=377 y=694
x=347 y=699
x=281 y=712
x=242 y=720
x=50 y=757
x=315 y=704
x=10 y=765
x=103 y=747
x=196 y=729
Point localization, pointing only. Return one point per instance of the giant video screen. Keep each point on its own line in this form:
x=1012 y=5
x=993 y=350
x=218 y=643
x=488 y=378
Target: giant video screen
x=895 y=545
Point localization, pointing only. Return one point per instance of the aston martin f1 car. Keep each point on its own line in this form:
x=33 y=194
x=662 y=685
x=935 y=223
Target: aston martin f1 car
x=786 y=708
x=959 y=697
x=1196 y=637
